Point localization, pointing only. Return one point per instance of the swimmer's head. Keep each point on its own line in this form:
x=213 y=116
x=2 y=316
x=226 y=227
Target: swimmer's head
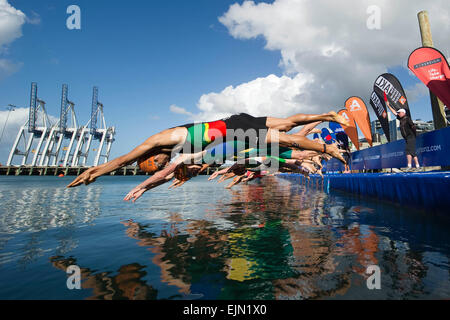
x=238 y=169
x=184 y=172
x=153 y=162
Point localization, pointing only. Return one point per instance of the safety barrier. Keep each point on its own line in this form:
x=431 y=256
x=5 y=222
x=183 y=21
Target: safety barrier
x=433 y=149
x=428 y=190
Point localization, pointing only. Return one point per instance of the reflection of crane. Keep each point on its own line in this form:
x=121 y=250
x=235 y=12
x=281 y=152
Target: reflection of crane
x=38 y=133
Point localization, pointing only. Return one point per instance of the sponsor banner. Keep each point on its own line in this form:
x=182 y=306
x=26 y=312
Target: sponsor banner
x=335 y=127
x=342 y=139
x=327 y=136
x=432 y=148
x=341 y=136
x=379 y=108
x=357 y=108
x=388 y=84
x=350 y=130
x=431 y=67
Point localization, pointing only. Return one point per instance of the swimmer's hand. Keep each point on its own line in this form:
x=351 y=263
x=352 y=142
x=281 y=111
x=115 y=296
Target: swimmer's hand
x=86 y=177
x=213 y=176
x=135 y=194
x=177 y=183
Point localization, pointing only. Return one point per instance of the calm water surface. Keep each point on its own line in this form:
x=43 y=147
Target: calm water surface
x=270 y=240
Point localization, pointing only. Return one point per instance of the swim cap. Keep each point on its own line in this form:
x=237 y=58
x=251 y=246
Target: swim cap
x=148 y=164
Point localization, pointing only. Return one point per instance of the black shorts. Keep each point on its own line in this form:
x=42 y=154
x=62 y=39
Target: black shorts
x=410 y=146
x=246 y=122
x=252 y=130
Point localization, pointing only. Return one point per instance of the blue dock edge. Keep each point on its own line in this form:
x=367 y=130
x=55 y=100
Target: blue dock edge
x=429 y=190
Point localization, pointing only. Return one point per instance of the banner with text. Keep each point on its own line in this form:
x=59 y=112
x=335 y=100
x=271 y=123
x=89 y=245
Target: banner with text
x=341 y=136
x=433 y=149
x=327 y=136
x=431 y=67
x=388 y=84
x=379 y=108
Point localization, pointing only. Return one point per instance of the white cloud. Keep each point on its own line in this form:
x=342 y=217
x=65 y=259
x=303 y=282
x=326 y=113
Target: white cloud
x=36 y=19
x=269 y=96
x=11 y=22
x=8 y=67
x=327 y=51
x=178 y=110
x=416 y=92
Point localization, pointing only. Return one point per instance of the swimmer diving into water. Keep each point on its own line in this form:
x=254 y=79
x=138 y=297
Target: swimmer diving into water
x=270 y=130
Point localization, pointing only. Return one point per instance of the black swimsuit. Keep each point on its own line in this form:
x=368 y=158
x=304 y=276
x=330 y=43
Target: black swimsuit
x=245 y=127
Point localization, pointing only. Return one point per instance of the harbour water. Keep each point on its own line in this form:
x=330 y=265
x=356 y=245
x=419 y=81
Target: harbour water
x=272 y=239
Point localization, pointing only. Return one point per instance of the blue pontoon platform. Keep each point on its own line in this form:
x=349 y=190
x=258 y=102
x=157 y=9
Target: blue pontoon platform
x=429 y=190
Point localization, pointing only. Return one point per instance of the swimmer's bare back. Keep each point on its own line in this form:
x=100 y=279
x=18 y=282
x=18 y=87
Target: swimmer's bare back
x=167 y=138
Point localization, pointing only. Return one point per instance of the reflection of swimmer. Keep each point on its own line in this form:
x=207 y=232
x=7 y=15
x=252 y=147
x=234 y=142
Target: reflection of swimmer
x=359 y=209
x=362 y=242
x=173 y=252
x=127 y=284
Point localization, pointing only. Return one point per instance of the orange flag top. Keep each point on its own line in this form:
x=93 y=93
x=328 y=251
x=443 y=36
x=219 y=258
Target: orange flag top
x=357 y=108
x=350 y=130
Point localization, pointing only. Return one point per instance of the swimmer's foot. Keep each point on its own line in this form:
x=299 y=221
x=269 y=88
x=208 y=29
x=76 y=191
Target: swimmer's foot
x=309 y=167
x=338 y=118
x=315 y=130
x=317 y=162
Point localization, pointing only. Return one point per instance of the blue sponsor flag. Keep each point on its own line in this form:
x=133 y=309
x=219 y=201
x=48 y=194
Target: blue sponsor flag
x=336 y=127
x=341 y=136
x=328 y=136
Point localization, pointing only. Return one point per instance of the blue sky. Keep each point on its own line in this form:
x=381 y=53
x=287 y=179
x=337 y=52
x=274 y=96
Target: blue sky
x=144 y=56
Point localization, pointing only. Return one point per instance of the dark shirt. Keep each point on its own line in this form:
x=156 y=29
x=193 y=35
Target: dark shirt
x=407 y=127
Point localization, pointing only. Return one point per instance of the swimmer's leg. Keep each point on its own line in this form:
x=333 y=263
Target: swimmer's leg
x=309 y=128
x=286 y=124
x=303 y=154
x=226 y=176
x=234 y=182
x=300 y=142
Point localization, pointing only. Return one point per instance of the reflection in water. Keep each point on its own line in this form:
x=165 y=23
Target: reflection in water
x=32 y=211
x=127 y=284
x=269 y=240
x=57 y=207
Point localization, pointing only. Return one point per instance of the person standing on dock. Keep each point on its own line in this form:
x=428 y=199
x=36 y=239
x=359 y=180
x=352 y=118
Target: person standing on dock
x=409 y=133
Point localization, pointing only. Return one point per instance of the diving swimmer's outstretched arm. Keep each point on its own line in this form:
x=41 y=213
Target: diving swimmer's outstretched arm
x=162 y=176
x=168 y=137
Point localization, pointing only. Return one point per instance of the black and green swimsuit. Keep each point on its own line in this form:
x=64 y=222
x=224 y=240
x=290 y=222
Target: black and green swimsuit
x=234 y=150
x=201 y=135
